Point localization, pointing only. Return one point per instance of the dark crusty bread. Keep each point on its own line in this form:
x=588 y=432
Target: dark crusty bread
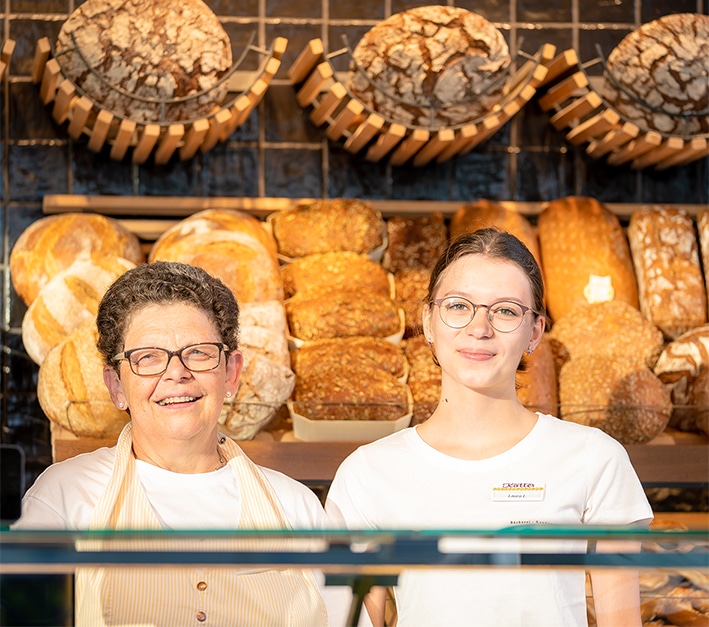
x=350 y=354
x=658 y=75
x=414 y=243
x=430 y=66
x=665 y=254
x=149 y=48
x=624 y=399
x=610 y=328
x=342 y=312
x=53 y=243
x=585 y=255
x=486 y=213
x=537 y=383
x=327 y=225
x=344 y=394
x=334 y=269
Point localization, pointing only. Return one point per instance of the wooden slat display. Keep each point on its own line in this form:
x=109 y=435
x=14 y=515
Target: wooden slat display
x=363 y=130
x=161 y=140
x=578 y=108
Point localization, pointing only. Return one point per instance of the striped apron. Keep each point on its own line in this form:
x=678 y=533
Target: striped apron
x=179 y=596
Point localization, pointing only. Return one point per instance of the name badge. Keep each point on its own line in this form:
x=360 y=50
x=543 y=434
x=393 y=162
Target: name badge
x=519 y=492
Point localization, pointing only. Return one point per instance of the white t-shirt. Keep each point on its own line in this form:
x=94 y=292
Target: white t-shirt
x=65 y=495
x=560 y=474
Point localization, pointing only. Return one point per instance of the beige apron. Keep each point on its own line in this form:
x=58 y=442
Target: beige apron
x=178 y=596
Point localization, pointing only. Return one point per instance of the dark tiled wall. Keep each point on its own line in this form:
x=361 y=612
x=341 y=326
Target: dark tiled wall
x=279 y=153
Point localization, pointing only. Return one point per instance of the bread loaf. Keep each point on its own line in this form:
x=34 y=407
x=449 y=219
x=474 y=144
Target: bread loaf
x=342 y=312
x=585 y=255
x=218 y=220
x=334 y=269
x=326 y=226
x=537 y=383
x=411 y=291
x=430 y=66
x=349 y=354
x=414 y=243
x=665 y=254
x=658 y=75
x=700 y=399
x=238 y=258
x=703 y=230
x=625 y=400
x=69 y=299
x=366 y=394
x=175 y=50
x=71 y=391
x=610 y=329
x=485 y=213
x=678 y=367
x=52 y=244
x=424 y=378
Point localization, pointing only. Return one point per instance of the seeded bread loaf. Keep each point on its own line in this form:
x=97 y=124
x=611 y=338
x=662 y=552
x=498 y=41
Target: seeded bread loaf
x=658 y=75
x=414 y=243
x=430 y=66
x=53 y=243
x=366 y=394
x=411 y=291
x=148 y=48
x=334 y=269
x=537 y=383
x=585 y=255
x=486 y=213
x=627 y=401
x=71 y=391
x=665 y=253
x=68 y=300
x=342 y=312
x=326 y=226
x=424 y=378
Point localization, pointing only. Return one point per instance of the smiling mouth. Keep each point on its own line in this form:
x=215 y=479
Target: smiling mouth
x=172 y=400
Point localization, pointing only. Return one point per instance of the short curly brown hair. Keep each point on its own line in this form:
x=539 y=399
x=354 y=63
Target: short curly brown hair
x=161 y=283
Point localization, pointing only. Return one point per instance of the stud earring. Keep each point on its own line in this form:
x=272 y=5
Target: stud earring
x=228 y=394
x=121 y=405
x=530 y=350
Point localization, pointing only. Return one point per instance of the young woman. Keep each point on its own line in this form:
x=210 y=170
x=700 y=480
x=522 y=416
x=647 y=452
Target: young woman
x=483 y=461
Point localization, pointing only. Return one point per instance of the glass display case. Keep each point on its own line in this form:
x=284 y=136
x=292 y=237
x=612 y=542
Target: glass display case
x=673 y=565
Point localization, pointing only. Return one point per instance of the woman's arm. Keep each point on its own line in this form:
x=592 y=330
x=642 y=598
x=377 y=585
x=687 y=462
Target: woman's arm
x=375 y=602
x=616 y=592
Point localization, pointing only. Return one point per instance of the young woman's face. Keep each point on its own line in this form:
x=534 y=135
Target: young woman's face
x=179 y=403
x=477 y=356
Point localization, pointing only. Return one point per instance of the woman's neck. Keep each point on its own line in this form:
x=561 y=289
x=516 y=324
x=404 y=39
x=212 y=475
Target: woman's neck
x=181 y=457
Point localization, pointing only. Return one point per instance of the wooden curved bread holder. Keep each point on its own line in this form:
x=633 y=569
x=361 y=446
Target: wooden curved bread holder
x=162 y=140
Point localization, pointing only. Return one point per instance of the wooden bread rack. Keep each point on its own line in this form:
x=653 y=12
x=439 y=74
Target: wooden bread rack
x=578 y=107
x=161 y=140
x=346 y=118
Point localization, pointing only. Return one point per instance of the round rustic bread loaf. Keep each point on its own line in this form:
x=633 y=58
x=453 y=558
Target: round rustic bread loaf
x=585 y=255
x=50 y=245
x=665 y=254
x=485 y=213
x=334 y=269
x=430 y=66
x=615 y=394
x=342 y=312
x=326 y=226
x=414 y=243
x=700 y=399
x=609 y=328
x=678 y=367
x=71 y=391
x=117 y=51
x=659 y=75
x=424 y=378
x=703 y=231
x=238 y=258
x=537 y=383
x=69 y=299
x=349 y=353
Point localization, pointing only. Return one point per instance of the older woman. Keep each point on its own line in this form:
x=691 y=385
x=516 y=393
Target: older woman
x=168 y=336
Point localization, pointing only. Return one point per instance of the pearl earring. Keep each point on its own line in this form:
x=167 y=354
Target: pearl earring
x=120 y=405
x=228 y=394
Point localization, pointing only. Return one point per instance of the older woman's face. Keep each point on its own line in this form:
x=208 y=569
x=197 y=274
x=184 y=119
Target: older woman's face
x=179 y=403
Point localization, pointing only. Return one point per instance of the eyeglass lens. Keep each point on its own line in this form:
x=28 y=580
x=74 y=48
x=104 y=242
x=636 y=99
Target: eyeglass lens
x=504 y=316
x=152 y=361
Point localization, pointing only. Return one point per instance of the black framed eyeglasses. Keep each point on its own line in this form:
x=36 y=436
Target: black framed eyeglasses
x=504 y=316
x=152 y=361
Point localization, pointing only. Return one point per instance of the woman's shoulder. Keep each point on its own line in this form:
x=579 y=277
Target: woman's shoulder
x=300 y=504
x=554 y=429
